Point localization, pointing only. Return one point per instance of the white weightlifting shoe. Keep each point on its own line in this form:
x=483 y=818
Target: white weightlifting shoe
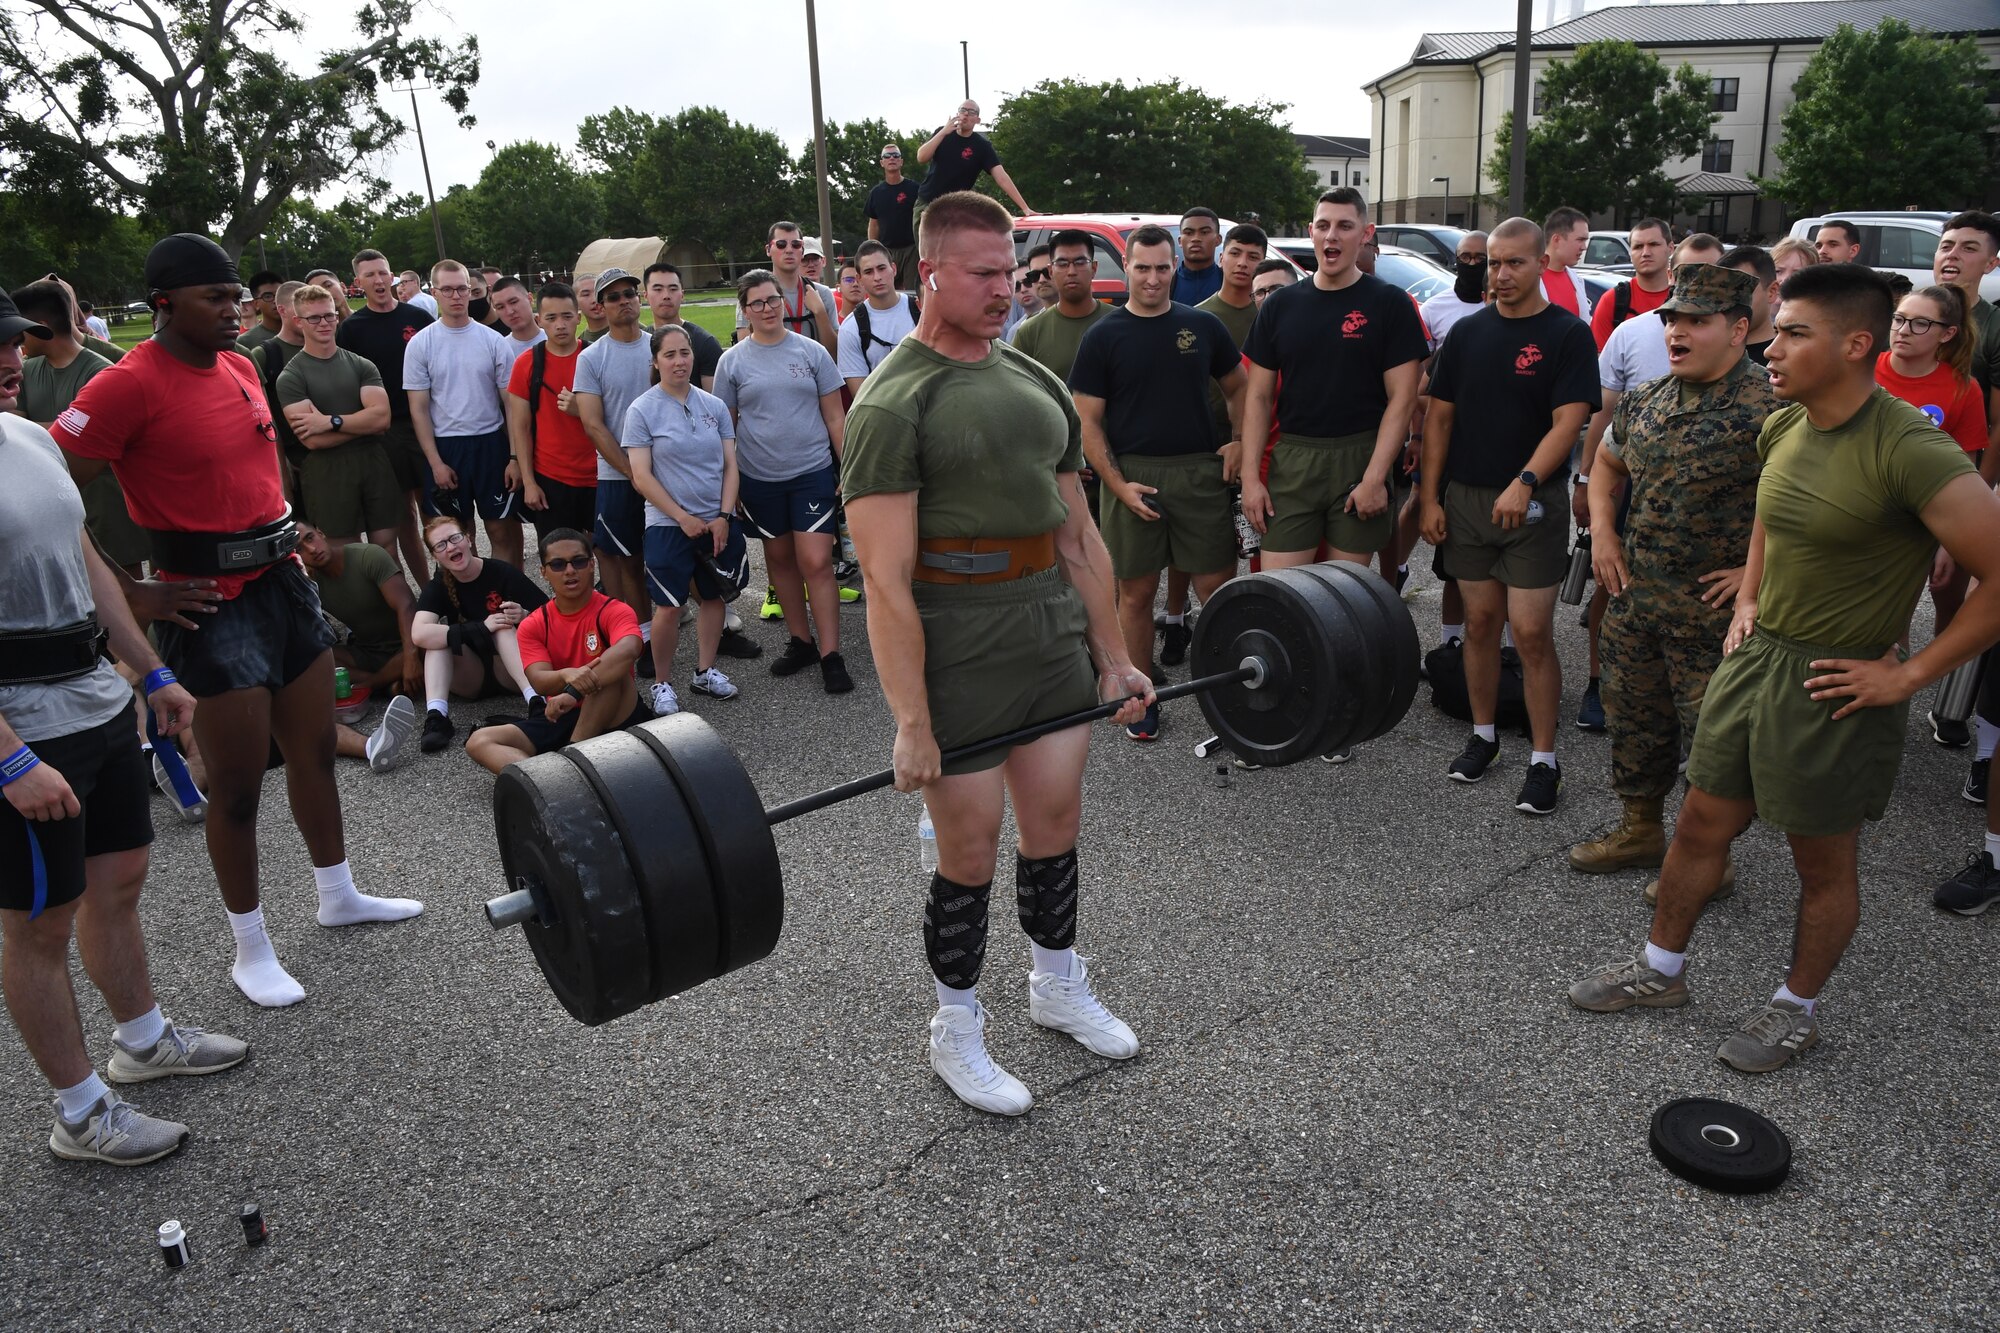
x=958 y=1054
x=1067 y=1004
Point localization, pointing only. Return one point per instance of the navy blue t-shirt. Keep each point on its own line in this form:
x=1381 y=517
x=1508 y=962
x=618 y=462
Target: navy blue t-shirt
x=1192 y=288
x=1505 y=378
x=1152 y=373
x=1331 y=349
x=956 y=166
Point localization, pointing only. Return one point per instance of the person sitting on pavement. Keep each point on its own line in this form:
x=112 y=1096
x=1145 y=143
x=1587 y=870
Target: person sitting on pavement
x=361 y=587
x=465 y=624
x=580 y=650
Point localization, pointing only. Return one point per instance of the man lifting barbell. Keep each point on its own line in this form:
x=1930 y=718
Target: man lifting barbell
x=989 y=597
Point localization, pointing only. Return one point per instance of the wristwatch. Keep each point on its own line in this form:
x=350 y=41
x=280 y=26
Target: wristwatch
x=333 y=422
x=1528 y=479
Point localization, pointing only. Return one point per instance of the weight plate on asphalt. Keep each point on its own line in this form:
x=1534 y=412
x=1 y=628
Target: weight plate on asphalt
x=1260 y=615
x=1720 y=1145
x=729 y=817
x=668 y=862
x=556 y=837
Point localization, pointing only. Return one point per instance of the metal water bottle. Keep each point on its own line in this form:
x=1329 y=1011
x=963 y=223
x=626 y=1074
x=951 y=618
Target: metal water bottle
x=1579 y=570
x=1957 y=692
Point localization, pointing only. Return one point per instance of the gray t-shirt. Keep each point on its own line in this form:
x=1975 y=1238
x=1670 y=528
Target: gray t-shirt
x=465 y=371
x=618 y=373
x=774 y=392
x=687 y=441
x=798 y=315
x=44 y=583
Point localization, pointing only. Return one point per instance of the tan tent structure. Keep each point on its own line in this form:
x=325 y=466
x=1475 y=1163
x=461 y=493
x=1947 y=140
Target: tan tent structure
x=694 y=260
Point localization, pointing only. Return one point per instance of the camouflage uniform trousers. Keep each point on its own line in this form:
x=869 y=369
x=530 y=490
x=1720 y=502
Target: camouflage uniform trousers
x=1655 y=672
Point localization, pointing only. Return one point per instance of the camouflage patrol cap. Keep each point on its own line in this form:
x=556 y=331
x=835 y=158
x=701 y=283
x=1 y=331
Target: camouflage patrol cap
x=1709 y=289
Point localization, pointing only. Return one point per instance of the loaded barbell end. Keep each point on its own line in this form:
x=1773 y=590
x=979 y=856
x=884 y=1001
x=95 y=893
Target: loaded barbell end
x=1259 y=672
x=512 y=909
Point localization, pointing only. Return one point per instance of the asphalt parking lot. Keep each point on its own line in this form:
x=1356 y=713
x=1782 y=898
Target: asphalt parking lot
x=1363 y=1101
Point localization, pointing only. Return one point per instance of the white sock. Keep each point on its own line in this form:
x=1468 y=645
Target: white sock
x=732 y=621
x=442 y=707
x=528 y=694
x=948 y=996
x=1062 y=962
x=1176 y=620
x=143 y=1032
x=1665 y=963
x=341 y=904
x=257 y=972
x=1506 y=636
x=646 y=632
x=73 y=1102
x=1485 y=732
x=1993 y=847
x=1542 y=757
x=1446 y=633
x=1989 y=737
x=1785 y=994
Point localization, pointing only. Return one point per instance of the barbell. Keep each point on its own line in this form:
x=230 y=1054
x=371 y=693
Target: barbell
x=642 y=862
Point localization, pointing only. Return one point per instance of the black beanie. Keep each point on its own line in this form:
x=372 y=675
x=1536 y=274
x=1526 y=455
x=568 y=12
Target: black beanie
x=188 y=259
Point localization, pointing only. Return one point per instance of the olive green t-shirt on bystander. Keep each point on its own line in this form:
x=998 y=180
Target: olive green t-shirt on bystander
x=1986 y=345
x=332 y=384
x=981 y=441
x=1845 y=551
x=1238 y=321
x=1051 y=337
x=354 y=597
x=47 y=392
x=110 y=351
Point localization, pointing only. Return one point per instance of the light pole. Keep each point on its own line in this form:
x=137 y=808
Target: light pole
x=819 y=132
x=437 y=228
x=1446 y=219
x=965 y=63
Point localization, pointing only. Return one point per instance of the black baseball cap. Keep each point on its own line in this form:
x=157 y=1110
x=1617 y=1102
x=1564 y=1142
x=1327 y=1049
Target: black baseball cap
x=13 y=323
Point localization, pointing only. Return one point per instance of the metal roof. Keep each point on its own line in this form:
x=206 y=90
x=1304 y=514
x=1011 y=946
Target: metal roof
x=1332 y=145
x=1715 y=184
x=1443 y=46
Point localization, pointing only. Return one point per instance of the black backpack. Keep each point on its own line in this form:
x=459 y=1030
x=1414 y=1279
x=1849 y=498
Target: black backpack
x=538 y=369
x=1445 y=667
x=868 y=334
x=1621 y=303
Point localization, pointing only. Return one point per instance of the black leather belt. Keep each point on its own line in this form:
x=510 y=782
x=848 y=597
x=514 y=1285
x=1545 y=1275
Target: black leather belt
x=224 y=552
x=43 y=656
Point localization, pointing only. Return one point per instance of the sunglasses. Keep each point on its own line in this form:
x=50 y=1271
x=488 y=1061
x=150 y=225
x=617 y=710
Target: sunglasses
x=788 y=245
x=887 y=156
x=562 y=564
x=618 y=297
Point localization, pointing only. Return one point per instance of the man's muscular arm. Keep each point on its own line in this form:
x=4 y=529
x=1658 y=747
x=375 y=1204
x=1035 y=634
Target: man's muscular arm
x=884 y=528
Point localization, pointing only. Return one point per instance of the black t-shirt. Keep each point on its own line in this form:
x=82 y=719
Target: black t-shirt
x=894 y=206
x=956 y=166
x=707 y=351
x=1756 y=351
x=1331 y=349
x=1505 y=379
x=479 y=598
x=1153 y=374
x=381 y=336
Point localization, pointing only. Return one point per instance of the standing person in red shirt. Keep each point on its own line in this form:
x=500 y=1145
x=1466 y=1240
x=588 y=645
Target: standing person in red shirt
x=183 y=423
x=1652 y=243
x=1568 y=233
x=555 y=464
x=579 y=650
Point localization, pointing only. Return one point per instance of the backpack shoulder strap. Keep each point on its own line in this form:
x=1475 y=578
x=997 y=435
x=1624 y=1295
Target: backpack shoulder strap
x=538 y=368
x=1621 y=304
x=862 y=327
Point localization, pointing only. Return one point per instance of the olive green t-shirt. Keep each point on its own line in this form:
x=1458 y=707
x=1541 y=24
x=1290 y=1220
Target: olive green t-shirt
x=1985 y=368
x=1238 y=321
x=110 y=351
x=47 y=392
x=332 y=384
x=1845 y=553
x=1052 y=337
x=981 y=442
x=354 y=596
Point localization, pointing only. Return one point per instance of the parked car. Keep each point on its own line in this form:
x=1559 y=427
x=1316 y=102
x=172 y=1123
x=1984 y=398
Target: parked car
x=1610 y=250
x=1896 y=242
x=1109 y=231
x=1597 y=282
x=1416 y=274
x=1437 y=244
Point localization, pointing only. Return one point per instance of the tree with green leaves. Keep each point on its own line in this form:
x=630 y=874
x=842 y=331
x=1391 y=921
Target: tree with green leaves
x=403 y=232
x=1885 y=119
x=853 y=168
x=696 y=175
x=303 y=236
x=1152 y=148
x=531 y=201
x=1613 y=118
x=186 y=110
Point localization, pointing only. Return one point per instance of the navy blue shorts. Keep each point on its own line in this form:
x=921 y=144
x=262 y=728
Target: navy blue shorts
x=264 y=638
x=42 y=863
x=621 y=518
x=798 y=504
x=671 y=565
x=543 y=735
x=481 y=464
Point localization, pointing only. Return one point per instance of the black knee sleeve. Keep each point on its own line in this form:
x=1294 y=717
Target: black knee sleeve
x=1045 y=891
x=955 y=931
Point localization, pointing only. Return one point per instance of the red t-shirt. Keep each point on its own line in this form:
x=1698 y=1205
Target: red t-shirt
x=563 y=642
x=563 y=452
x=1954 y=405
x=1562 y=291
x=194 y=450
x=1642 y=301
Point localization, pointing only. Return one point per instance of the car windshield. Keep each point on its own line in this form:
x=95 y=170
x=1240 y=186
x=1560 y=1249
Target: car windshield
x=1420 y=279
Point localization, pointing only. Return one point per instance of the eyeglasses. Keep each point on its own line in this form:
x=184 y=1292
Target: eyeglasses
x=1472 y=259
x=1915 y=323
x=1085 y=262
x=561 y=563
x=618 y=297
x=443 y=544
x=328 y=318
x=765 y=303
x=451 y=291
x=788 y=245
x=968 y=111
x=1260 y=293
x=887 y=156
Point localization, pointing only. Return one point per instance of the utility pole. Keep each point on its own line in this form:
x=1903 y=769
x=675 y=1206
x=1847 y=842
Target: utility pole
x=437 y=227
x=819 y=132
x=965 y=63
x=1517 y=164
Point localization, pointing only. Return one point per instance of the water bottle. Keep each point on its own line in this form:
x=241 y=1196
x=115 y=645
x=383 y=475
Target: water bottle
x=1248 y=543
x=342 y=688
x=1535 y=511
x=1579 y=571
x=1957 y=692
x=927 y=842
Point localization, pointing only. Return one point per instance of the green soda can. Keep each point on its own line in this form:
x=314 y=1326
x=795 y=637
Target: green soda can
x=341 y=688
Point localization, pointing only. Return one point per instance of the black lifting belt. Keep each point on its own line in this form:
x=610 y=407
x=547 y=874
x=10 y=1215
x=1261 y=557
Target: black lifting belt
x=208 y=553
x=42 y=656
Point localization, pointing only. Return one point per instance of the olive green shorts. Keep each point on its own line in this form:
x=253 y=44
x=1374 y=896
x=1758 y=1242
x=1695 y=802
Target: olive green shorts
x=351 y=489
x=1196 y=529
x=1763 y=738
x=406 y=456
x=1310 y=480
x=998 y=656
x=1534 y=555
x=109 y=521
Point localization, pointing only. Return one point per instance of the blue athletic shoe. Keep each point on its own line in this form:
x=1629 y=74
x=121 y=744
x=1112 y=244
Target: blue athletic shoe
x=1146 y=728
x=1590 y=713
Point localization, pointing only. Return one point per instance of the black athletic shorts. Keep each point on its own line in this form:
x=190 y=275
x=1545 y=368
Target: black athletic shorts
x=544 y=735
x=569 y=506
x=263 y=638
x=41 y=863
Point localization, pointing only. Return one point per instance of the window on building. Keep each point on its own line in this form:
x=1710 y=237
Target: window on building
x=1718 y=155
x=1540 y=103
x=1356 y=181
x=1722 y=94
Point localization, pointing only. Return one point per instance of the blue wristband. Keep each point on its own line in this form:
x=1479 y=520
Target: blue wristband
x=157 y=677
x=17 y=764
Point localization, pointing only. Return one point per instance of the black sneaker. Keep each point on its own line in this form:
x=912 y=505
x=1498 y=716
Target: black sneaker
x=1540 y=789
x=1952 y=735
x=437 y=732
x=1975 y=782
x=646 y=661
x=1174 y=644
x=798 y=655
x=1972 y=890
x=843 y=570
x=1156 y=675
x=1473 y=761
x=735 y=643
x=833 y=674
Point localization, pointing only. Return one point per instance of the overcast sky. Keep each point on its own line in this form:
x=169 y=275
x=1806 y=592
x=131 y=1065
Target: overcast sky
x=545 y=67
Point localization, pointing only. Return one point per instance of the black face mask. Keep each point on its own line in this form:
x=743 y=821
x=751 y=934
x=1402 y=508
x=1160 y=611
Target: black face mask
x=481 y=310
x=1471 y=284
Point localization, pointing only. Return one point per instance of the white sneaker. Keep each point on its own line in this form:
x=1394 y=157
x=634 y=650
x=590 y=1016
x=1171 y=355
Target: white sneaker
x=713 y=683
x=190 y=814
x=665 y=701
x=385 y=748
x=688 y=613
x=1066 y=1004
x=958 y=1054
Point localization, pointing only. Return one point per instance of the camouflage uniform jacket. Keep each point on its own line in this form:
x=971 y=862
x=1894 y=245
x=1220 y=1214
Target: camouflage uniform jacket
x=1694 y=469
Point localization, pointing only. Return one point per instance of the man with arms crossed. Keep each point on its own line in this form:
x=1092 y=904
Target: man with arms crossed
x=989 y=594
x=381 y=331
x=335 y=404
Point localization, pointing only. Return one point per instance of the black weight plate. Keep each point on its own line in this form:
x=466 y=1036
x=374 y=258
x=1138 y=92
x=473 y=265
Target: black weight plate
x=1388 y=640
x=1720 y=1145
x=554 y=832
x=728 y=815
x=665 y=853
x=1264 y=616
x=1349 y=615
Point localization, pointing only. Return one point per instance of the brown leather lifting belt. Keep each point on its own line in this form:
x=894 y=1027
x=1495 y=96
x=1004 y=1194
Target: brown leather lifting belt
x=983 y=559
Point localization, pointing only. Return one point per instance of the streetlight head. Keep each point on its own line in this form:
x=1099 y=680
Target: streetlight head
x=1435 y=179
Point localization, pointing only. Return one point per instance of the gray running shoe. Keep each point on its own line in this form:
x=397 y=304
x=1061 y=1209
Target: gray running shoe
x=1616 y=986
x=178 y=1051
x=114 y=1131
x=1770 y=1038
x=385 y=749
